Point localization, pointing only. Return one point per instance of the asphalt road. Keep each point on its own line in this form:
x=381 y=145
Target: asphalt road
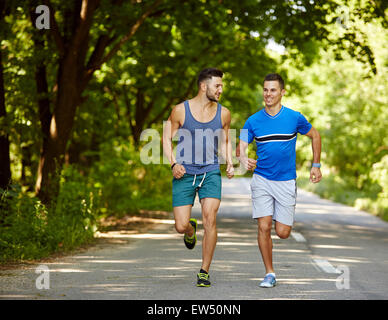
x=335 y=252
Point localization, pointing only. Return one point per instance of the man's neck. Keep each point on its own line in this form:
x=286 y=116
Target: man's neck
x=203 y=102
x=273 y=110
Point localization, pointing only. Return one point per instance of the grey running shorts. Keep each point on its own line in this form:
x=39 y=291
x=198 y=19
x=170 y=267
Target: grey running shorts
x=274 y=198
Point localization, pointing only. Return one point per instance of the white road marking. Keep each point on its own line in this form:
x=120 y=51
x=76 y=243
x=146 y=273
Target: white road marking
x=326 y=266
x=298 y=236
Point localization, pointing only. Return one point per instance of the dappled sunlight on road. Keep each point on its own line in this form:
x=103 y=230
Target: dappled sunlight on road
x=237 y=197
x=129 y=235
x=16 y=296
x=349 y=260
x=69 y=270
x=157 y=265
x=326 y=246
x=236 y=244
x=297 y=281
x=290 y=250
x=111 y=261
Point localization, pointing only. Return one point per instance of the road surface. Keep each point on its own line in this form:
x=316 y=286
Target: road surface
x=334 y=252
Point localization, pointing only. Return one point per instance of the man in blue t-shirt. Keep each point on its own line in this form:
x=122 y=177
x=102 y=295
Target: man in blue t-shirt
x=273 y=185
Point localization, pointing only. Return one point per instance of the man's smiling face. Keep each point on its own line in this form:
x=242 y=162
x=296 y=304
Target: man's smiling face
x=272 y=93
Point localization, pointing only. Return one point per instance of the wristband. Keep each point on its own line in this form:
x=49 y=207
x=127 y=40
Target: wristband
x=316 y=165
x=173 y=165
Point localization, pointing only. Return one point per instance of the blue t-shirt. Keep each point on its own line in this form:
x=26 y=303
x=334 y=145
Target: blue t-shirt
x=275 y=138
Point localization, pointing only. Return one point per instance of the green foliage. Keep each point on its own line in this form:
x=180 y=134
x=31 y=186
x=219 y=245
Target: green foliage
x=23 y=231
x=350 y=112
x=126 y=185
x=348 y=105
x=74 y=215
x=29 y=230
x=335 y=68
x=379 y=174
x=338 y=189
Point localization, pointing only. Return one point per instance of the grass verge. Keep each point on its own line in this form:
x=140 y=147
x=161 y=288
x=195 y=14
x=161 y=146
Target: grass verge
x=335 y=188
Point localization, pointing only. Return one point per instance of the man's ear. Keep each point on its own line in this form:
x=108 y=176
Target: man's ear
x=203 y=85
x=283 y=92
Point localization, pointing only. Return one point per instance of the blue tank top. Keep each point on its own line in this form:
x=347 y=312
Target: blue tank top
x=197 y=148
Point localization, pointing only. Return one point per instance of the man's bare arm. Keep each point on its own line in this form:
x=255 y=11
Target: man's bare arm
x=170 y=129
x=315 y=173
x=227 y=143
x=248 y=163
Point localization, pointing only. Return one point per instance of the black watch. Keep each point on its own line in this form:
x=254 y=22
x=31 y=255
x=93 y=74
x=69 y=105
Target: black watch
x=173 y=165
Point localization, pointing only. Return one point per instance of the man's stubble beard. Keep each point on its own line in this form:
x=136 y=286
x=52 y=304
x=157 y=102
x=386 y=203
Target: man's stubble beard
x=211 y=98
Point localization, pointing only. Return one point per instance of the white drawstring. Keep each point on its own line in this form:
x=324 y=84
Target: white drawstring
x=200 y=185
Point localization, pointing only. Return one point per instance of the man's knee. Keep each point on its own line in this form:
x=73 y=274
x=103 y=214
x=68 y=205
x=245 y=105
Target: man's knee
x=265 y=225
x=283 y=234
x=209 y=220
x=283 y=231
x=181 y=227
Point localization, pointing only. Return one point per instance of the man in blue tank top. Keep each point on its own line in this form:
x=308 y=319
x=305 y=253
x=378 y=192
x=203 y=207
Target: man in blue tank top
x=202 y=126
x=273 y=184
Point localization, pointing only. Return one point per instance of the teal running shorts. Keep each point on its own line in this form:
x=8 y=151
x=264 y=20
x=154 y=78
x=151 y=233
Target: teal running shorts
x=184 y=190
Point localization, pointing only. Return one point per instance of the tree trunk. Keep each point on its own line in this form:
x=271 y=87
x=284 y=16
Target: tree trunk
x=70 y=86
x=5 y=163
x=61 y=124
x=74 y=74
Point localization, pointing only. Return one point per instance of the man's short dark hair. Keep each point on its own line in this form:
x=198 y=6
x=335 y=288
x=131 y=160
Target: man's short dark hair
x=208 y=73
x=275 y=77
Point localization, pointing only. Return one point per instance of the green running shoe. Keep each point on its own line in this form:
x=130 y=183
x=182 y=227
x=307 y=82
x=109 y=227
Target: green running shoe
x=203 y=280
x=190 y=242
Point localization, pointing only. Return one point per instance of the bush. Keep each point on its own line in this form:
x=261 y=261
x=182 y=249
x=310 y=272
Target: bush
x=74 y=215
x=23 y=231
x=118 y=184
x=126 y=185
x=341 y=189
x=30 y=230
